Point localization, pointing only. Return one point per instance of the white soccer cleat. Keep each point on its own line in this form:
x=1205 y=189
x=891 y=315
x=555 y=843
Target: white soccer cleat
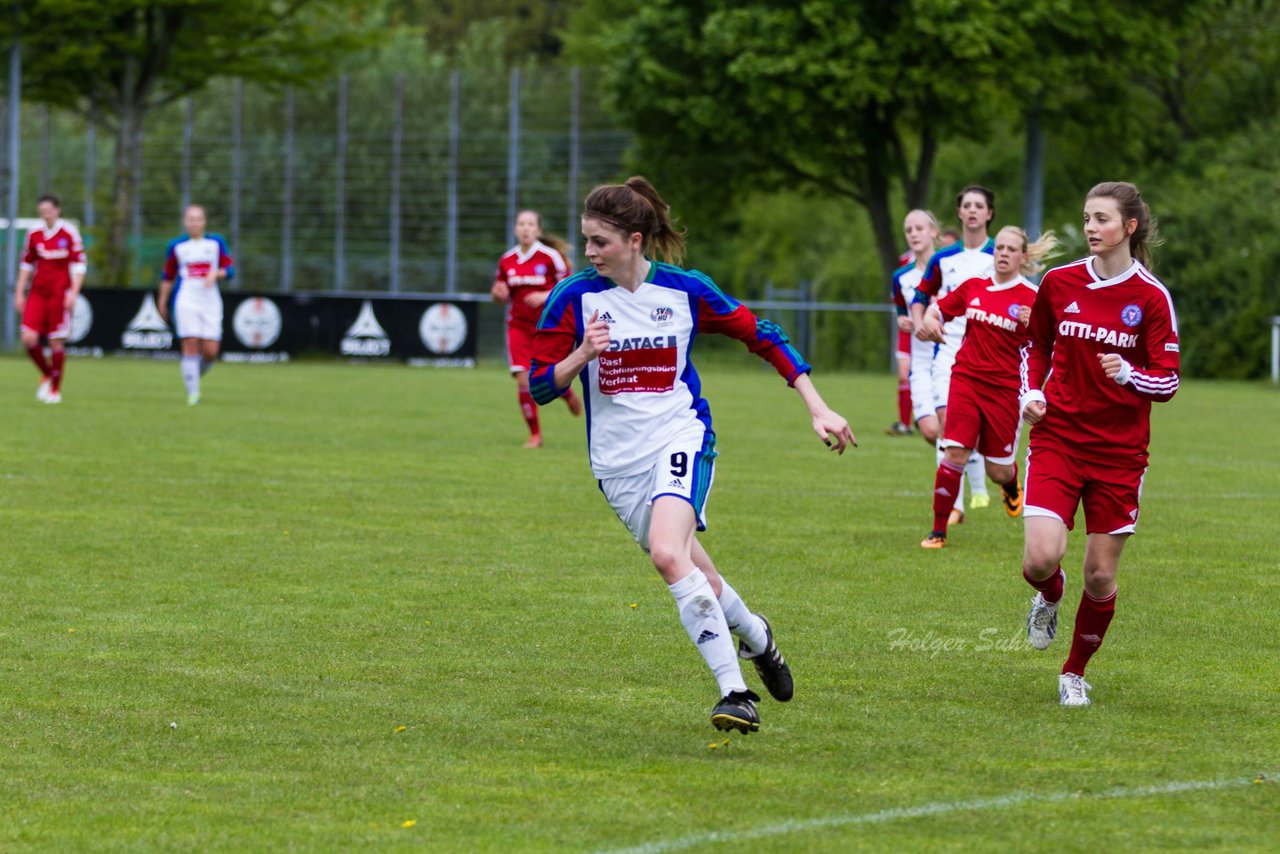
x=1042 y=622
x=46 y=388
x=1073 y=690
x=979 y=500
x=193 y=399
x=53 y=397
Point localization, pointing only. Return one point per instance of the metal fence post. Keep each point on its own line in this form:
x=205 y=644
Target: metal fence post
x=188 y=120
x=575 y=152
x=397 y=132
x=340 y=192
x=11 y=236
x=44 y=149
x=1275 y=349
x=286 y=239
x=451 y=227
x=237 y=110
x=513 y=150
x=90 y=170
x=135 y=229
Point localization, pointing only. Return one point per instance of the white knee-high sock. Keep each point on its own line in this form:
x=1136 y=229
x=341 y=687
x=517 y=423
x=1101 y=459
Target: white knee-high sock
x=191 y=373
x=976 y=469
x=703 y=619
x=742 y=622
x=959 y=505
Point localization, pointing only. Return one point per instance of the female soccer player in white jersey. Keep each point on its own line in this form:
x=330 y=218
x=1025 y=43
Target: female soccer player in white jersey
x=921 y=230
x=982 y=405
x=192 y=267
x=1103 y=348
x=626 y=328
x=525 y=276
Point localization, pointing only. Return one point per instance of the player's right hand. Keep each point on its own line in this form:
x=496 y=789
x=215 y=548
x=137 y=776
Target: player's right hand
x=904 y=323
x=930 y=330
x=500 y=292
x=19 y=301
x=595 y=338
x=164 y=311
x=1034 y=412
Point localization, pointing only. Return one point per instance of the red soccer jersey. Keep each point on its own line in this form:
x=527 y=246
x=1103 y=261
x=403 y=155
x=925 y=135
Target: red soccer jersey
x=1077 y=316
x=993 y=338
x=54 y=253
x=540 y=269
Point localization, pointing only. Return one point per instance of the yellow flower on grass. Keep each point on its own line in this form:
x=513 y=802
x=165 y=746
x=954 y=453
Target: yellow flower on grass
x=409 y=823
x=401 y=728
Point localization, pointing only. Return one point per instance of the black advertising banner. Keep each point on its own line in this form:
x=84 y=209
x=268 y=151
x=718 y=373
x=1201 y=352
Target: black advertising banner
x=274 y=327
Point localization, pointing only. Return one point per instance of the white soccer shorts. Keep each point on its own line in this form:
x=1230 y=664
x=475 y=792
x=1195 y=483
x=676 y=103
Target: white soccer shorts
x=198 y=317
x=684 y=468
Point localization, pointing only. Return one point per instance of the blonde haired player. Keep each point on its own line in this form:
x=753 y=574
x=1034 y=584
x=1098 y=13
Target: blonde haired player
x=193 y=266
x=982 y=404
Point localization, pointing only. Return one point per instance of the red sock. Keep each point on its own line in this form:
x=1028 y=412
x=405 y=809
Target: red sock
x=904 y=403
x=1091 y=626
x=1011 y=488
x=55 y=375
x=946 y=486
x=37 y=355
x=529 y=410
x=1050 y=588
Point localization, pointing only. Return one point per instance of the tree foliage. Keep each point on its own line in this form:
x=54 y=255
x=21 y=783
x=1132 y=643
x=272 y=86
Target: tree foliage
x=119 y=60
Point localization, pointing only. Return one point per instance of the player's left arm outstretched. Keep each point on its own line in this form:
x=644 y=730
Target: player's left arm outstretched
x=767 y=340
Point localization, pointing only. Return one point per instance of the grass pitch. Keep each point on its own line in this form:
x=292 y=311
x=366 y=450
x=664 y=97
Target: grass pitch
x=339 y=607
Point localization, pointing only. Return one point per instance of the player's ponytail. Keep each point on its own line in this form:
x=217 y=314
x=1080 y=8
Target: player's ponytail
x=1146 y=235
x=636 y=206
x=1036 y=252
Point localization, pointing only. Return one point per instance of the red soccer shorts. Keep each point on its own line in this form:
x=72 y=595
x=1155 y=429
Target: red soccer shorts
x=904 y=344
x=47 y=315
x=519 y=345
x=984 y=419
x=1057 y=482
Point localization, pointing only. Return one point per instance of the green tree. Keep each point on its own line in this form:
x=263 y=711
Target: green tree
x=119 y=60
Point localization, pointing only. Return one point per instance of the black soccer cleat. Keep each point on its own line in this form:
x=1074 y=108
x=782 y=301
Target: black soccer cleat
x=737 y=710
x=772 y=667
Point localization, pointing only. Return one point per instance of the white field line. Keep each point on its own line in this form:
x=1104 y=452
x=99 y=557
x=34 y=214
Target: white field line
x=785 y=828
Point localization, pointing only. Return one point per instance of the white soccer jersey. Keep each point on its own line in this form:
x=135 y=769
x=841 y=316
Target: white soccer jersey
x=643 y=390
x=190 y=261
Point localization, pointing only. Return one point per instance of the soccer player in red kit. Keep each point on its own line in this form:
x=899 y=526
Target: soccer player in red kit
x=54 y=264
x=982 y=404
x=526 y=274
x=1103 y=348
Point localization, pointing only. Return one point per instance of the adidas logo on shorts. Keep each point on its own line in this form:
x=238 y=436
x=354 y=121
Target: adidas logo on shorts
x=707 y=635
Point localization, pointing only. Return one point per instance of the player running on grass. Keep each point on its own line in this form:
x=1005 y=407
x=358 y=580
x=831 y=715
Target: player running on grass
x=982 y=405
x=947 y=270
x=1104 y=346
x=921 y=230
x=54 y=264
x=525 y=276
x=192 y=267
x=625 y=329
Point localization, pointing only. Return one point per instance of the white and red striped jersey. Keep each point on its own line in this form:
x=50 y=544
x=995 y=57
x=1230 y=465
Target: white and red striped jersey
x=55 y=254
x=540 y=268
x=993 y=337
x=195 y=258
x=1077 y=316
x=644 y=389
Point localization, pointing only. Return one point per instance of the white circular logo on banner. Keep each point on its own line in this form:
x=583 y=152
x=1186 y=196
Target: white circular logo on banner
x=81 y=319
x=257 y=323
x=443 y=328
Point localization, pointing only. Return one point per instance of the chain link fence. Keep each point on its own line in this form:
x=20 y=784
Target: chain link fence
x=366 y=182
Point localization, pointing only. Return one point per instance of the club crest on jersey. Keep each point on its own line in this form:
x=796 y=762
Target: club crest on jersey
x=62 y=242
x=540 y=269
x=661 y=315
x=1015 y=310
x=1131 y=314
